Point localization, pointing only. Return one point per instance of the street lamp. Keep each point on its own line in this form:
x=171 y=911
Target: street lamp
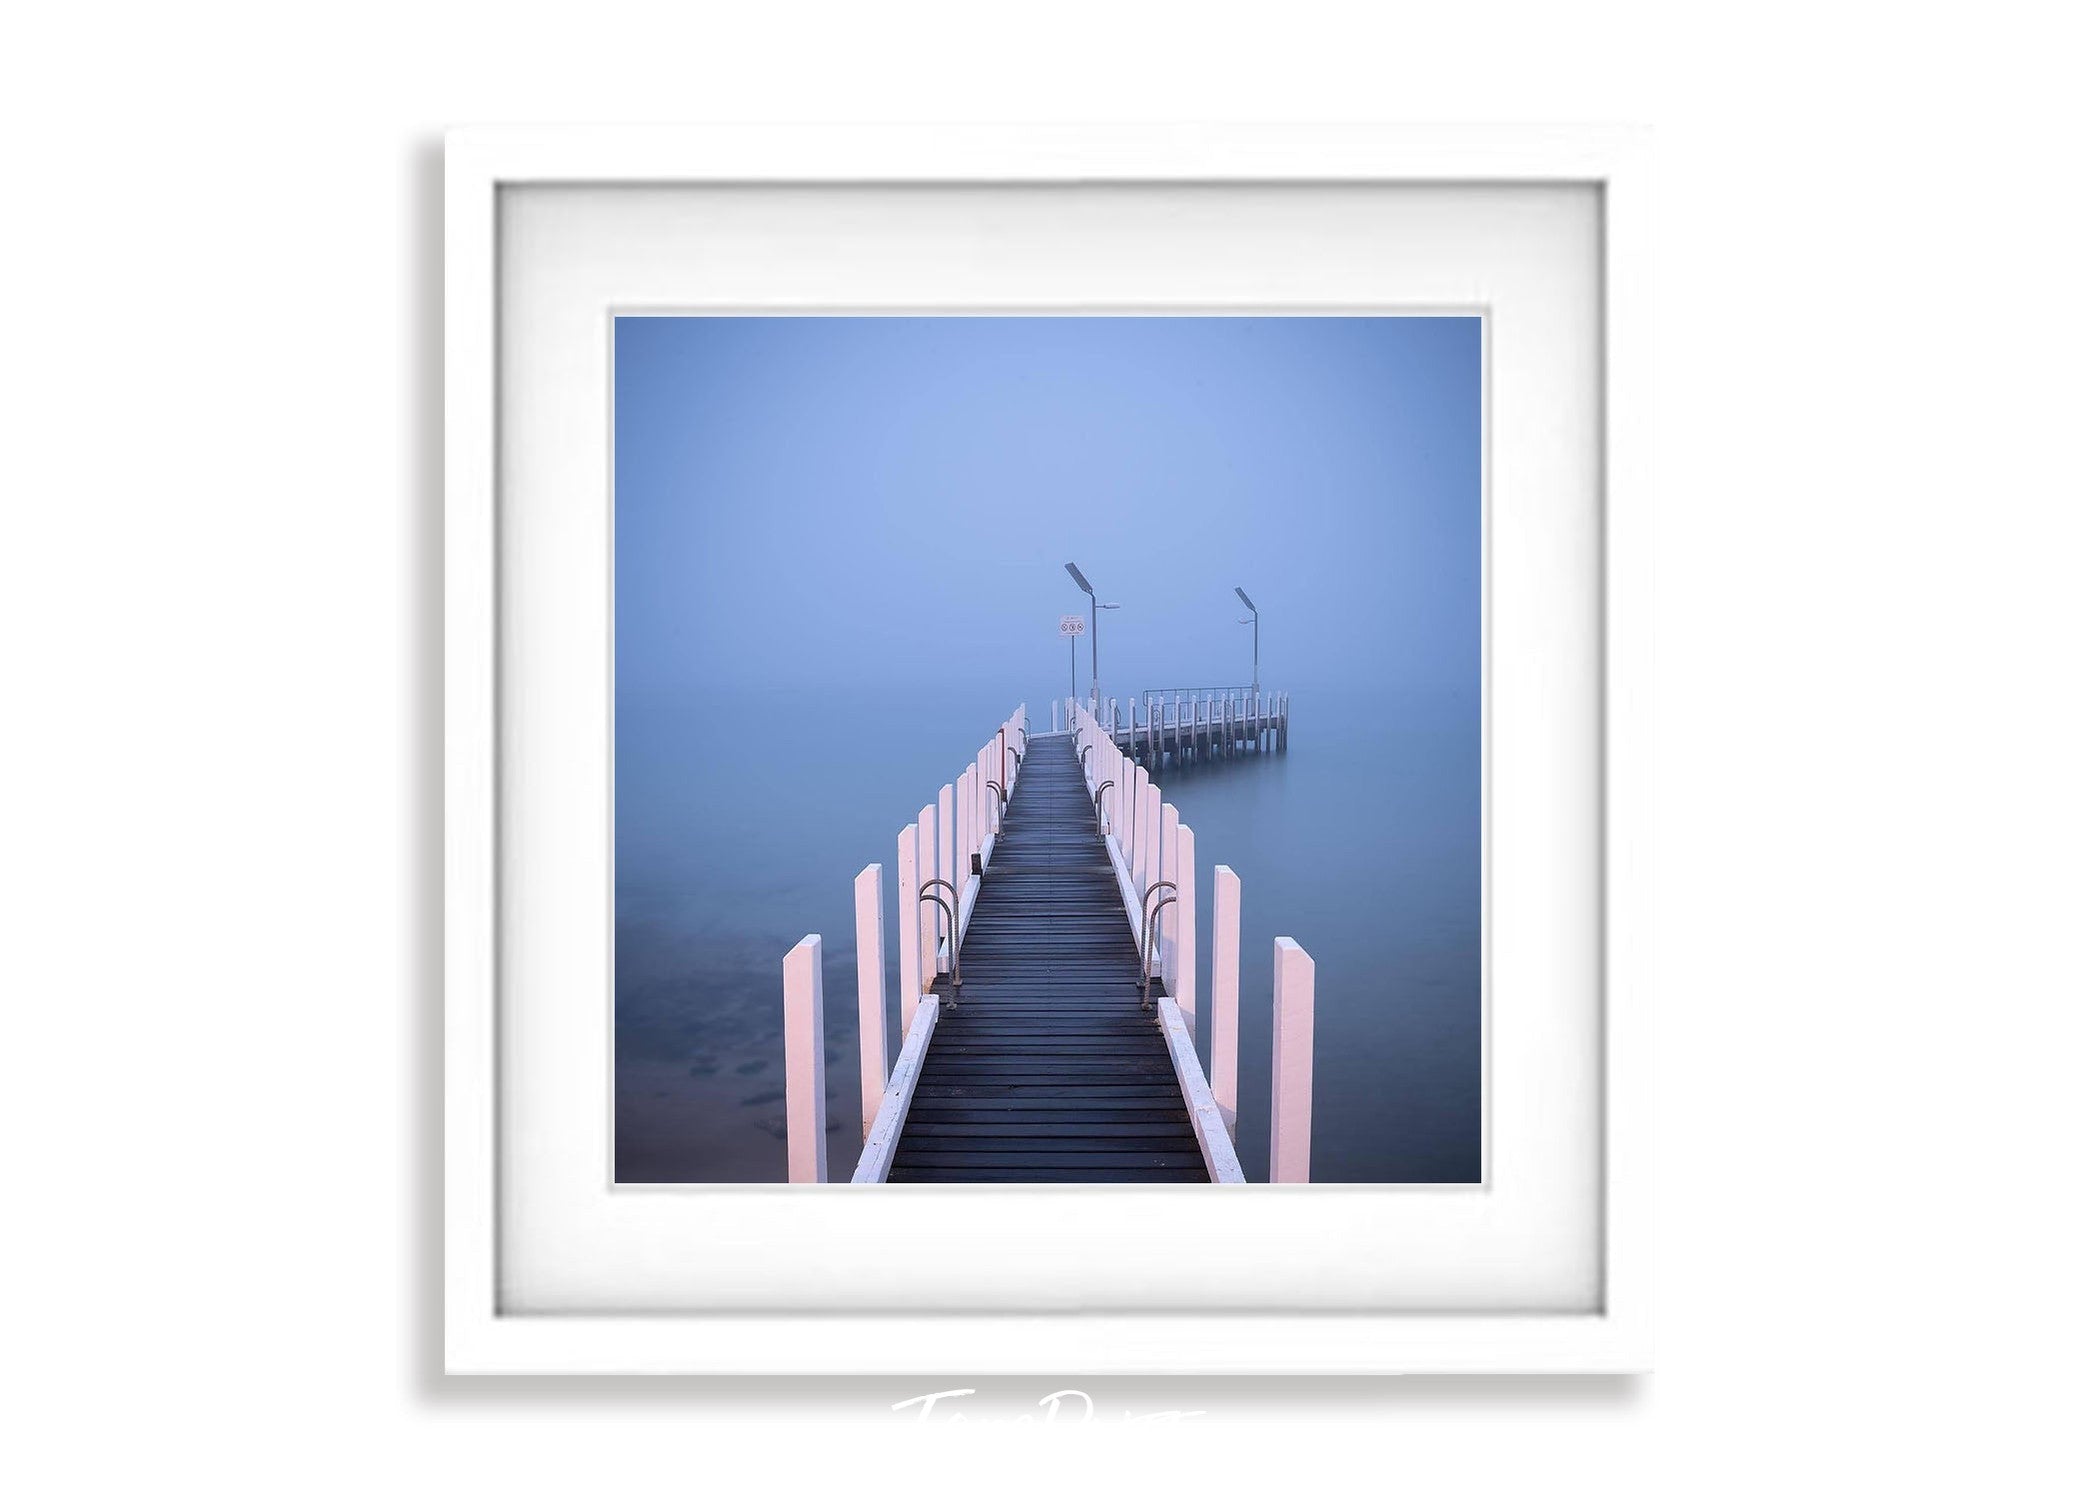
x=1256 y=623
x=1075 y=655
x=1092 y=628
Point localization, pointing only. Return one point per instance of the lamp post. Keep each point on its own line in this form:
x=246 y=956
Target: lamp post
x=1093 y=628
x=1256 y=623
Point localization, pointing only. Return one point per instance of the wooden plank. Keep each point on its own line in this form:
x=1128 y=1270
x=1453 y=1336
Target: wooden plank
x=1046 y=1110
x=1134 y=1134
x=1143 y=1176
x=1078 y=1095
x=1015 y=1160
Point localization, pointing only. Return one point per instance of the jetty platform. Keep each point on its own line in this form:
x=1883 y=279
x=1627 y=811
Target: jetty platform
x=1046 y=1008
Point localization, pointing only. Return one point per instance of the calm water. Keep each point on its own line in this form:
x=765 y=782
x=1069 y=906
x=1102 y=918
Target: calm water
x=1362 y=843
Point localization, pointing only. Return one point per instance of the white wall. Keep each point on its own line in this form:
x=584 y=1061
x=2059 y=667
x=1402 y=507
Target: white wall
x=1877 y=818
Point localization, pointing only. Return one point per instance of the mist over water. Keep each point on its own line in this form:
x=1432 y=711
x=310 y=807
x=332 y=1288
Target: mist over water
x=839 y=550
x=730 y=847
x=1361 y=842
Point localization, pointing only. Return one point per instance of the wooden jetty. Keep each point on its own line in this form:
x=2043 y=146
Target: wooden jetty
x=1047 y=988
x=1178 y=725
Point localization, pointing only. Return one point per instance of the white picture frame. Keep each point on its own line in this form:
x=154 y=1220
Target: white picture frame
x=480 y=1335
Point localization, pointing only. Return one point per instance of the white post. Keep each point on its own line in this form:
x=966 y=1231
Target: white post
x=973 y=819
x=1140 y=876
x=1133 y=802
x=947 y=834
x=1224 y=996
x=1149 y=834
x=1126 y=793
x=910 y=982
x=928 y=913
x=1290 y=1083
x=968 y=808
x=802 y=987
x=874 y=1013
x=1169 y=855
x=1182 y=917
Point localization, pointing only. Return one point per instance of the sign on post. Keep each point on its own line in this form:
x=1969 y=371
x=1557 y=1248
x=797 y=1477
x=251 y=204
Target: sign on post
x=1072 y=624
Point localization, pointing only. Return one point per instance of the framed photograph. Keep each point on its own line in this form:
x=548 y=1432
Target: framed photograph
x=1045 y=751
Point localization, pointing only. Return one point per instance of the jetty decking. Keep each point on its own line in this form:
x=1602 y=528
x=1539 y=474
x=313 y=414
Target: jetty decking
x=1048 y=1068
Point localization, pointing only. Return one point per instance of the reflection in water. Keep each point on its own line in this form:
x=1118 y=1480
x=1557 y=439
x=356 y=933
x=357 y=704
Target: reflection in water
x=1362 y=842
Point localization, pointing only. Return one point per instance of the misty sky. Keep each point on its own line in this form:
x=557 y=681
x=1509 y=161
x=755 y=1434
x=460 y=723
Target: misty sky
x=889 y=502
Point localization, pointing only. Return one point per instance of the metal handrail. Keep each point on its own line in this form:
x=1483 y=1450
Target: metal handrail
x=954 y=931
x=1099 y=792
x=1149 y=949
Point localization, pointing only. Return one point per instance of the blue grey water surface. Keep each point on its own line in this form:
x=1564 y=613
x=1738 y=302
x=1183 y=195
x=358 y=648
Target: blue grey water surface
x=839 y=546
x=1361 y=842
